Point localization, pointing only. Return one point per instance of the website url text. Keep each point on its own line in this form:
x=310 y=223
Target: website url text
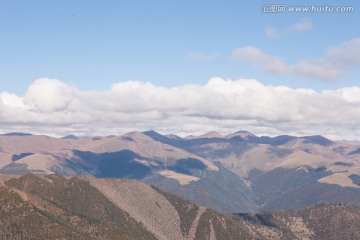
x=282 y=8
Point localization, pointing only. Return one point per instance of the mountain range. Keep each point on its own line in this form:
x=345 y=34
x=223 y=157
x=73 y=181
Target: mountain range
x=235 y=173
x=82 y=207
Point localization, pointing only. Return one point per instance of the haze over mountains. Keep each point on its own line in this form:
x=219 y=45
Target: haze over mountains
x=239 y=172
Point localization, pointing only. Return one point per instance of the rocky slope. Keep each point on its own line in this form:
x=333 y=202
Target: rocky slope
x=57 y=207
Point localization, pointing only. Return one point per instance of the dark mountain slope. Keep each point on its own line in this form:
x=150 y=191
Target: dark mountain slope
x=21 y=220
x=221 y=190
x=314 y=193
x=118 y=164
x=284 y=189
x=332 y=222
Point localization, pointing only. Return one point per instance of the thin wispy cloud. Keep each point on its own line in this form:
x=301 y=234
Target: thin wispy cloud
x=337 y=63
x=198 y=56
x=271 y=32
x=299 y=27
x=302 y=26
x=53 y=107
x=255 y=56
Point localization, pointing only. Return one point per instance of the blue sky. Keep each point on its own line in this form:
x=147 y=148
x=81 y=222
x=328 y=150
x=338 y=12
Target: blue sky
x=94 y=45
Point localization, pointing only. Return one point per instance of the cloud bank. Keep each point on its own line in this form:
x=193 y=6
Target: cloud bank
x=337 y=63
x=55 y=108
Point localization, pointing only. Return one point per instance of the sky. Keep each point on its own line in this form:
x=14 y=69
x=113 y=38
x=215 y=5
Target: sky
x=184 y=67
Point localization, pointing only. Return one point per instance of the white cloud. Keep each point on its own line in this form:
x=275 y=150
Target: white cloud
x=46 y=95
x=349 y=94
x=197 y=56
x=301 y=26
x=336 y=64
x=11 y=100
x=222 y=105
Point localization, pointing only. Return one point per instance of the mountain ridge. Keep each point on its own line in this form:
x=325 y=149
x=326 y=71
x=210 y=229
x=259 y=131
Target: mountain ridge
x=208 y=171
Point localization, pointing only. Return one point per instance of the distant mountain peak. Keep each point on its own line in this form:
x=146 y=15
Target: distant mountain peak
x=136 y=135
x=211 y=134
x=242 y=134
x=20 y=134
x=151 y=132
x=318 y=139
x=70 y=137
x=173 y=136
